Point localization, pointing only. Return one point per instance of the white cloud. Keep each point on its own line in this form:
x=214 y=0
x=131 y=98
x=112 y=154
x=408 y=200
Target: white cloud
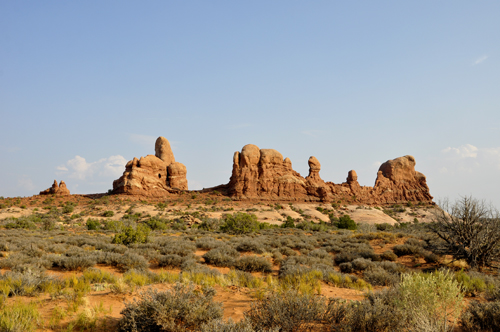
x=376 y=164
x=464 y=151
x=480 y=59
x=113 y=166
x=80 y=169
x=469 y=158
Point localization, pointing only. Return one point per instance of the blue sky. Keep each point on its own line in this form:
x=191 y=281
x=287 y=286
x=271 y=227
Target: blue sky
x=87 y=85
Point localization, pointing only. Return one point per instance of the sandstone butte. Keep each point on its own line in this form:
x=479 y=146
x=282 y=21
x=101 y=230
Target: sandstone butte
x=263 y=174
x=156 y=175
x=56 y=189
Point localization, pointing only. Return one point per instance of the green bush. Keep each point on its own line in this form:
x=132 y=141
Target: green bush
x=130 y=235
x=156 y=223
x=210 y=224
x=93 y=224
x=345 y=222
x=288 y=223
x=108 y=214
x=240 y=223
x=433 y=299
x=68 y=208
x=179 y=309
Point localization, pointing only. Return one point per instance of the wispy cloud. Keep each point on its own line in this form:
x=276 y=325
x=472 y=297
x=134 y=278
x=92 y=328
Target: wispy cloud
x=78 y=167
x=480 y=60
x=464 y=151
x=469 y=158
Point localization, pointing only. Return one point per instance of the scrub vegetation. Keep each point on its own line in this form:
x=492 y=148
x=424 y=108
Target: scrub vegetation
x=172 y=265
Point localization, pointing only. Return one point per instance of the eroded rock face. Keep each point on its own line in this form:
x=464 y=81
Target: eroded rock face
x=156 y=175
x=164 y=151
x=177 y=176
x=56 y=189
x=264 y=174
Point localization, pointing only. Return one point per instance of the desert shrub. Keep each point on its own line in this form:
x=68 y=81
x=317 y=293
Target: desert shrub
x=210 y=224
x=346 y=267
x=377 y=313
x=79 y=262
x=349 y=256
x=218 y=325
x=27 y=283
x=384 y=227
x=93 y=224
x=114 y=225
x=481 y=317
x=253 y=264
x=22 y=222
x=376 y=275
x=239 y=223
x=470 y=230
x=130 y=235
x=208 y=242
x=108 y=214
x=418 y=303
x=287 y=311
x=288 y=223
x=249 y=244
x=474 y=283
x=389 y=255
x=430 y=257
x=178 y=309
x=432 y=300
x=319 y=253
x=345 y=222
x=129 y=261
x=181 y=248
x=19 y=317
x=287 y=251
x=406 y=249
x=222 y=256
x=68 y=208
x=156 y=223
x=362 y=264
x=172 y=260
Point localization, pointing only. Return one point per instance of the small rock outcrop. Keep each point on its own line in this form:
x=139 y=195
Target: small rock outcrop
x=264 y=174
x=156 y=175
x=56 y=189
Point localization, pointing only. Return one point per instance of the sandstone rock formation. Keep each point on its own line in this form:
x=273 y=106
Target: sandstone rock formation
x=264 y=174
x=56 y=189
x=156 y=175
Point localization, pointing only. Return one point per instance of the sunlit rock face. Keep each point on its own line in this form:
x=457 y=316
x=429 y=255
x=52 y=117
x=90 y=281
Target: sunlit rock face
x=157 y=175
